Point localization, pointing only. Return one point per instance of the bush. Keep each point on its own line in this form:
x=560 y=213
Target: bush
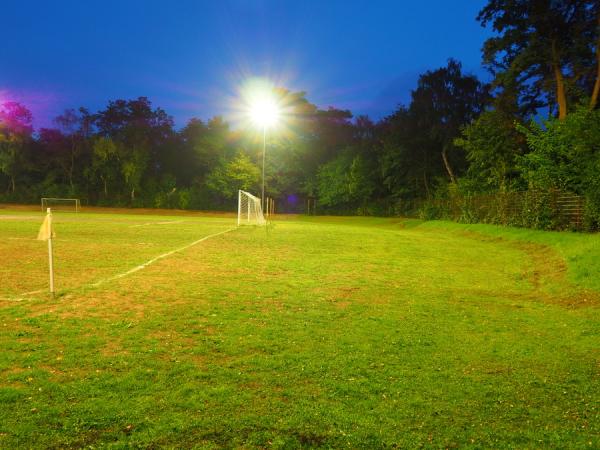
x=565 y=155
x=431 y=210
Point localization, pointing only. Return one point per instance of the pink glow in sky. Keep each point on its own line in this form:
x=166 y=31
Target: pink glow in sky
x=44 y=106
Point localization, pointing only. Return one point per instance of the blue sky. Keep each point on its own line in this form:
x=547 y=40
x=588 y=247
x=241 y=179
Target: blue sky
x=189 y=57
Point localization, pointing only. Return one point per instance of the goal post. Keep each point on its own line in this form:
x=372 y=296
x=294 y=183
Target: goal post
x=61 y=204
x=249 y=209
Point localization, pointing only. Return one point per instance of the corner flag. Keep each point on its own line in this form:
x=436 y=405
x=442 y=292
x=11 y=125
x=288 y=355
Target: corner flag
x=46 y=232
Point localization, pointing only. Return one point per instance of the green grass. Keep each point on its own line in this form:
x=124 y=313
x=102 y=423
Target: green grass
x=331 y=332
x=581 y=252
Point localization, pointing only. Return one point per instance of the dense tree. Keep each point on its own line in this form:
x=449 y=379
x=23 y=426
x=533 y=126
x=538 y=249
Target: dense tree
x=16 y=132
x=195 y=158
x=331 y=130
x=231 y=175
x=418 y=141
x=565 y=155
x=142 y=136
x=346 y=182
x=75 y=126
x=444 y=101
x=546 y=48
x=492 y=145
x=105 y=163
x=405 y=172
x=53 y=147
x=207 y=143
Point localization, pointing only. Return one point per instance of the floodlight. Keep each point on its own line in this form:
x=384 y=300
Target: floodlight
x=264 y=112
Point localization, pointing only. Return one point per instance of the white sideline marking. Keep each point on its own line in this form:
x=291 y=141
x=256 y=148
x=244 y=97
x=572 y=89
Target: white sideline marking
x=157 y=223
x=153 y=260
x=21 y=297
x=6 y=217
x=34 y=292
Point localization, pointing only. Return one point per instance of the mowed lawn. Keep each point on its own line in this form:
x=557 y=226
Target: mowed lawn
x=310 y=332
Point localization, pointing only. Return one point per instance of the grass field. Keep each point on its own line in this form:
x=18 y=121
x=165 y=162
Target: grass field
x=331 y=332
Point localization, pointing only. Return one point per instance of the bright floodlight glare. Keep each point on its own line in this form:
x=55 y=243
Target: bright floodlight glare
x=264 y=112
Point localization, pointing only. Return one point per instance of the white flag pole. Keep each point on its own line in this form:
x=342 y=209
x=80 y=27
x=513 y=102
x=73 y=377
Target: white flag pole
x=50 y=255
x=46 y=233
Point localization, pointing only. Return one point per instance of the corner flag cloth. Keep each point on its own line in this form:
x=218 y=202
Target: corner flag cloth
x=46 y=232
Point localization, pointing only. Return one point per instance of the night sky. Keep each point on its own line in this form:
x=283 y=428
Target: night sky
x=189 y=57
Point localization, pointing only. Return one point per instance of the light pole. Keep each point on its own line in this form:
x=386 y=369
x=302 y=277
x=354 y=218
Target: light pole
x=263 y=168
x=264 y=112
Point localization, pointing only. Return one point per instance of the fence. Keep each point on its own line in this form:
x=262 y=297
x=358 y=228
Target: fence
x=552 y=210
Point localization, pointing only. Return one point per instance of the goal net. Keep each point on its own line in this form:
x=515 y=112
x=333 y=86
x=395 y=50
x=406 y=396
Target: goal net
x=61 y=204
x=249 y=209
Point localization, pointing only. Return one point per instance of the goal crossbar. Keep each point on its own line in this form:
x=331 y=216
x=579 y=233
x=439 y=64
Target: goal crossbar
x=249 y=209
x=61 y=204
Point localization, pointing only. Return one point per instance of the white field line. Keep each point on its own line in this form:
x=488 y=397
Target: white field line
x=153 y=260
x=34 y=292
x=157 y=223
x=22 y=297
x=3 y=217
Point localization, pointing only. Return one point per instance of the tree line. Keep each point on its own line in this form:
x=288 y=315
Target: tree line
x=536 y=125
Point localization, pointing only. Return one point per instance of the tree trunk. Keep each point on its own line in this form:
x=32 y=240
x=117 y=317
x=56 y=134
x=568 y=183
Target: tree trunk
x=596 y=91
x=12 y=184
x=561 y=96
x=133 y=194
x=447 y=164
x=426 y=184
x=71 y=169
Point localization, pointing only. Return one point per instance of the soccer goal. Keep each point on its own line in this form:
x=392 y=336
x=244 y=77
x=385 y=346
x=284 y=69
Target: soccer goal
x=61 y=204
x=249 y=209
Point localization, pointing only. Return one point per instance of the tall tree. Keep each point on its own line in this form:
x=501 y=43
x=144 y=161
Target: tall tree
x=596 y=88
x=16 y=132
x=493 y=146
x=416 y=144
x=444 y=101
x=105 y=163
x=548 y=48
x=142 y=136
x=347 y=182
x=405 y=166
x=229 y=176
x=54 y=156
x=564 y=155
x=75 y=126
